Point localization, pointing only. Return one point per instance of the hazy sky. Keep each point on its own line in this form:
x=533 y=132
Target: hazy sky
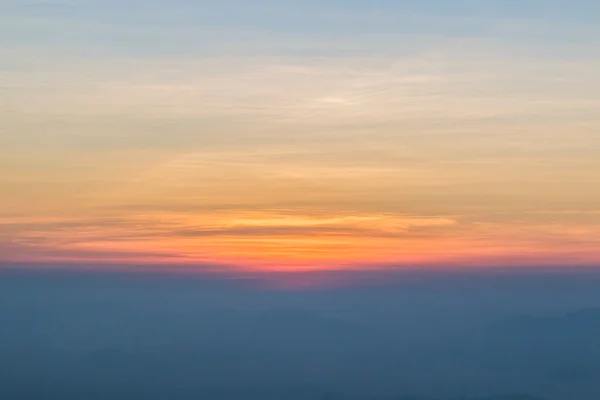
x=307 y=134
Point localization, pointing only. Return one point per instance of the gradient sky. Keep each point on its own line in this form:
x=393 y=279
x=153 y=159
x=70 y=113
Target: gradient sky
x=295 y=135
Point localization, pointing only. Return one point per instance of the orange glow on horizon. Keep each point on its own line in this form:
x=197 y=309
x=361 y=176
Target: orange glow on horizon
x=292 y=241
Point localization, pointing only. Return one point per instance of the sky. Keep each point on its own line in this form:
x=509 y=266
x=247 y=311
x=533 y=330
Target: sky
x=283 y=135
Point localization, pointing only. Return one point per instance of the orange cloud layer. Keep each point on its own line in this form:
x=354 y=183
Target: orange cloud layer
x=293 y=241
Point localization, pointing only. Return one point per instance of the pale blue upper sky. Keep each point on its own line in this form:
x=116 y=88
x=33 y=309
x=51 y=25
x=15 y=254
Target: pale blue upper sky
x=142 y=27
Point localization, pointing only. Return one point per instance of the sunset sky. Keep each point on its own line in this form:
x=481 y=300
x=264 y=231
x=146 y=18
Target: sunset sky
x=300 y=135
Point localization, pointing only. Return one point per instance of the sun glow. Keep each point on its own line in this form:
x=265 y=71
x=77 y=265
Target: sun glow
x=288 y=240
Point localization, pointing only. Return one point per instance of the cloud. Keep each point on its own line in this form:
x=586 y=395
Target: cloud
x=290 y=238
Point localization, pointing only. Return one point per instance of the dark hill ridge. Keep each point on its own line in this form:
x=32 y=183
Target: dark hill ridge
x=502 y=397
x=573 y=322
x=571 y=333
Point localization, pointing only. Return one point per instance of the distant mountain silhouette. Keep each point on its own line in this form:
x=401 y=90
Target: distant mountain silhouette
x=510 y=397
x=580 y=321
x=563 y=349
x=504 y=397
x=141 y=342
